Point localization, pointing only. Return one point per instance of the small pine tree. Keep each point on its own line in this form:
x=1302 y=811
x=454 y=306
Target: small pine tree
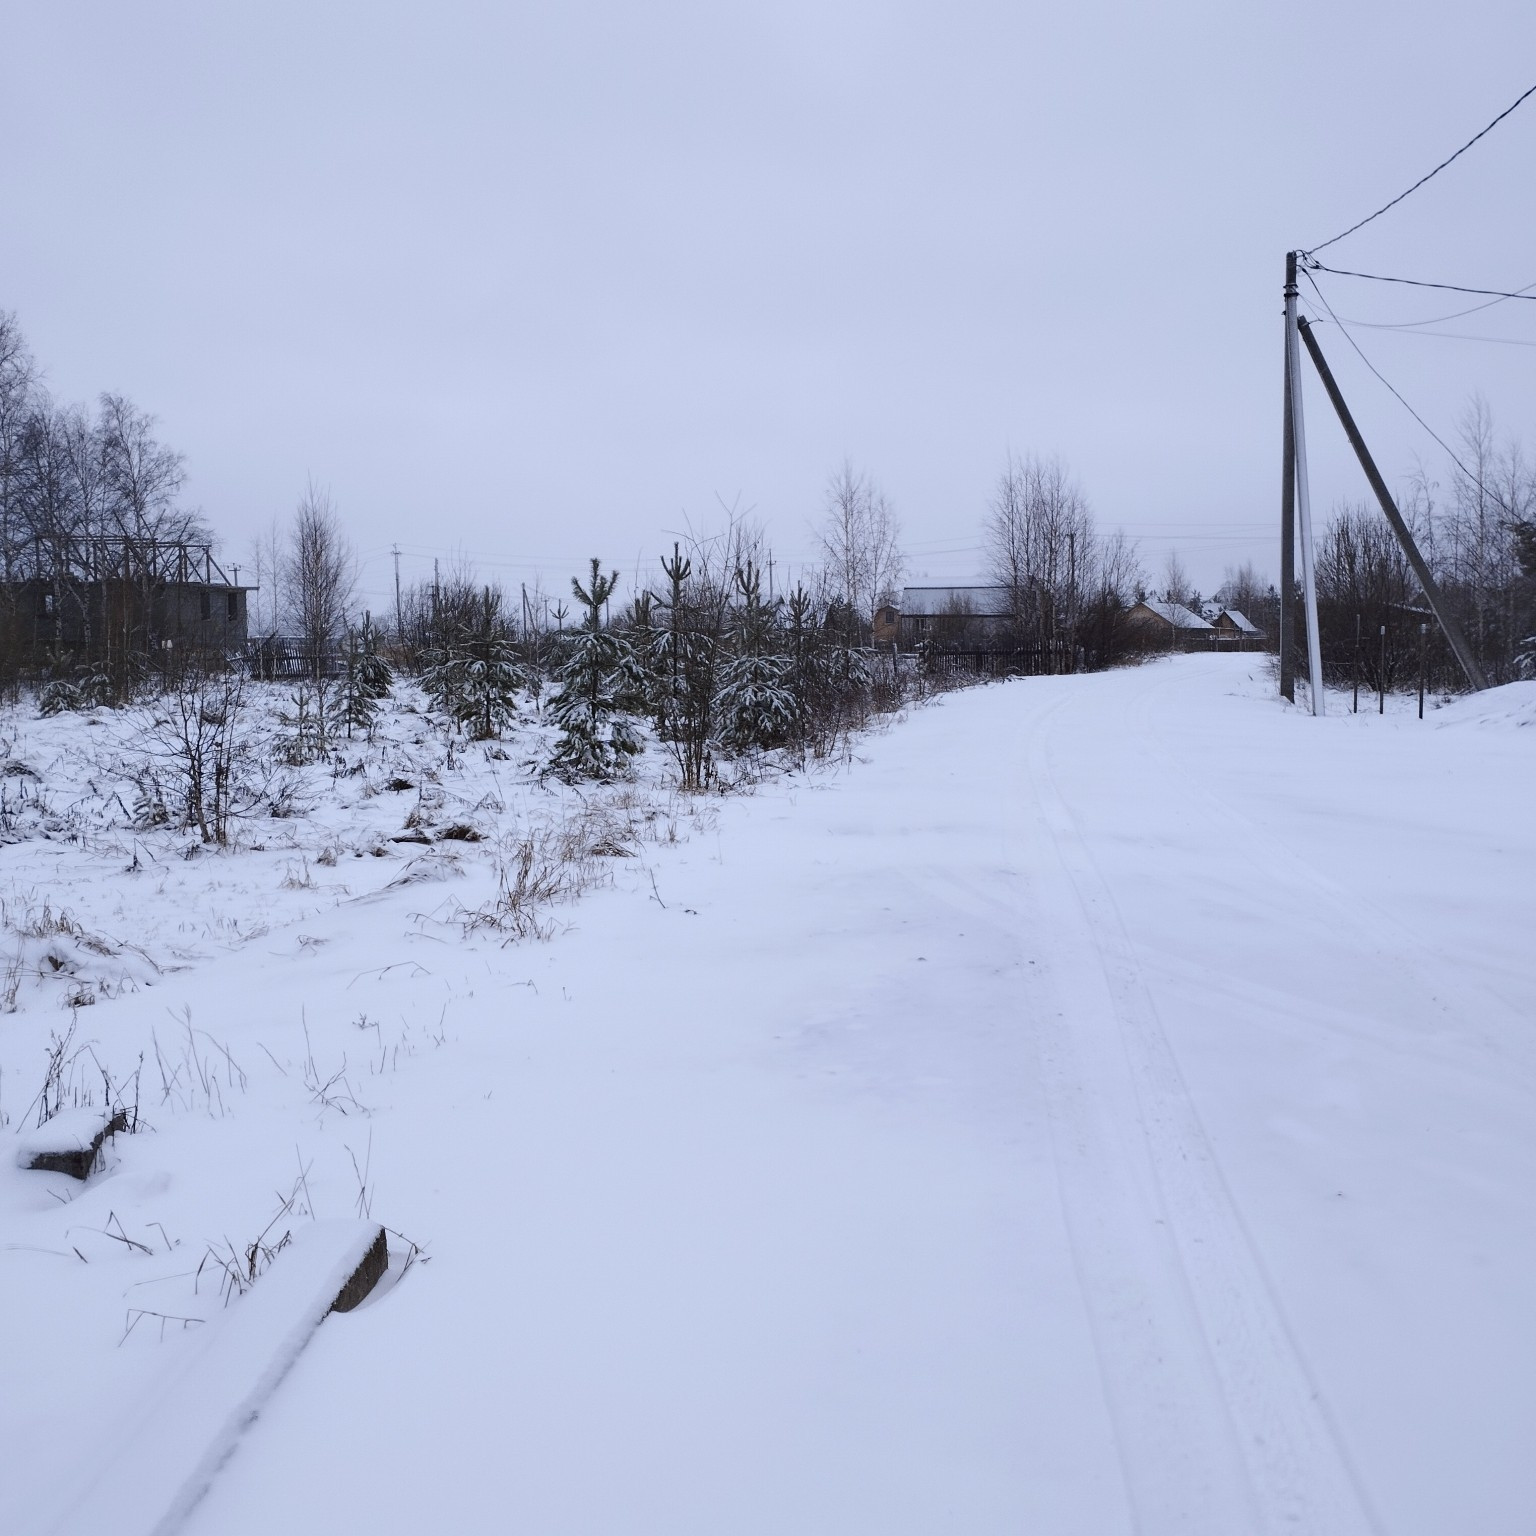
x=757 y=700
x=368 y=682
x=597 y=678
x=685 y=663
x=476 y=677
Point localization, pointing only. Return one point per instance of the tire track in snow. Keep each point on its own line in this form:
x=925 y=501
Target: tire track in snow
x=1221 y=1429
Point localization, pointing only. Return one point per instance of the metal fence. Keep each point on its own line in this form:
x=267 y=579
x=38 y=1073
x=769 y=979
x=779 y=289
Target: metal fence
x=276 y=658
x=1039 y=661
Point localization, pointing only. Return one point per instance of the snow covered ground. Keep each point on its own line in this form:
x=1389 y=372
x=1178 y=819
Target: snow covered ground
x=1106 y=1106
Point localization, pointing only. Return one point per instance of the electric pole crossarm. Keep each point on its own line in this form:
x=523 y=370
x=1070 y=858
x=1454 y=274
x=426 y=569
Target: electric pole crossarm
x=1431 y=591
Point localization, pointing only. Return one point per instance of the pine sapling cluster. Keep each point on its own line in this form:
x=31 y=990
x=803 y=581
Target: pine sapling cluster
x=475 y=676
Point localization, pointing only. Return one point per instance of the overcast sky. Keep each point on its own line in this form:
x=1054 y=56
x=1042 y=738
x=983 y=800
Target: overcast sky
x=535 y=281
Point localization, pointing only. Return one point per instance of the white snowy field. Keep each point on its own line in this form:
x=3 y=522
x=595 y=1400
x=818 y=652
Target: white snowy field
x=1106 y=1106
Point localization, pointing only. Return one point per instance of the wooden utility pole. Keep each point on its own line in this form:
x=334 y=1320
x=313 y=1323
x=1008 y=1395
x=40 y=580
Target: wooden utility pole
x=1288 y=504
x=1298 y=436
x=1448 y=624
x=399 y=620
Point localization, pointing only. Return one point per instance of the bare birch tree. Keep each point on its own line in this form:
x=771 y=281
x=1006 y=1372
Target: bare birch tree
x=319 y=577
x=860 y=541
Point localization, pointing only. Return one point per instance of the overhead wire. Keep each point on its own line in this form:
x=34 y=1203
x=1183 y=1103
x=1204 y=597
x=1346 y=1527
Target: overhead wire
x=1309 y=265
x=1459 y=314
x=1403 y=330
x=1432 y=174
x=1451 y=452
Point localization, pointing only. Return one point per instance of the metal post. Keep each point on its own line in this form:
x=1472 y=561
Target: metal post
x=1288 y=502
x=1355 y=707
x=1448 y=625
x=1381 y=675
x=1304 y=511
x=1423 y=635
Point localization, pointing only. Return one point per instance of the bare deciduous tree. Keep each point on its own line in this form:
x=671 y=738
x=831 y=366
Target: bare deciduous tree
x=860 y=542
x=143 y=477
x=1041 y=546
x=1490 y=488
x=1176 y=584
x=319 y=578
x=1242 y=588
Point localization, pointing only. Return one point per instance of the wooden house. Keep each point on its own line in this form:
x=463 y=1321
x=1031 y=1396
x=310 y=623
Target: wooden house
x=954 y=618
x=1236 y=631
x=1170 y=627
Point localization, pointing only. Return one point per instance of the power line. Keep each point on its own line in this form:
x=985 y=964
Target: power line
x=1404 y=330
x=1422 y=179
x=1454 y=457
x=1413 y=282
x=1456 y=314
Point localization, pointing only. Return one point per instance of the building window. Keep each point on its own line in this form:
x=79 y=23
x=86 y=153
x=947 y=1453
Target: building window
x=205 y=604
x=233 y=600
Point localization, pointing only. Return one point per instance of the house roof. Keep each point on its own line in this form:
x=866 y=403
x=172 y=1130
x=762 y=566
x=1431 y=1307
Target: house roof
x=1242 y=621
x=1178 y=615
x=983 y=602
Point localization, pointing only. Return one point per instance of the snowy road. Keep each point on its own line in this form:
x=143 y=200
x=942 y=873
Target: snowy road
x=1106 y=1109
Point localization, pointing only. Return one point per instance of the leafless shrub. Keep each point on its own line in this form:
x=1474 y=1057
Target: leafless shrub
x=198 y=741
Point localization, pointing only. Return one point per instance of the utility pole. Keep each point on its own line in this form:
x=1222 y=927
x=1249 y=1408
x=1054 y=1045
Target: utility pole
x=1303 y=499
x=1072 y=597
x=1381 y=675
x=1288 y=503
x=399 y=620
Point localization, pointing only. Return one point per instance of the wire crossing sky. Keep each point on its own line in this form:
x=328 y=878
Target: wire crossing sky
x=1370 y=217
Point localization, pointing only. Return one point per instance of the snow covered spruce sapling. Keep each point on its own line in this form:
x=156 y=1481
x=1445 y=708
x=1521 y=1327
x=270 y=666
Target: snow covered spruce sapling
x=476 y=675
x=81 y=688
x=368 y=681
x=598 y=679
x=757 y=700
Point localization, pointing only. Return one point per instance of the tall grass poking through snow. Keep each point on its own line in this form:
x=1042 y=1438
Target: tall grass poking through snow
x=535 y=872
x=546 y=866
